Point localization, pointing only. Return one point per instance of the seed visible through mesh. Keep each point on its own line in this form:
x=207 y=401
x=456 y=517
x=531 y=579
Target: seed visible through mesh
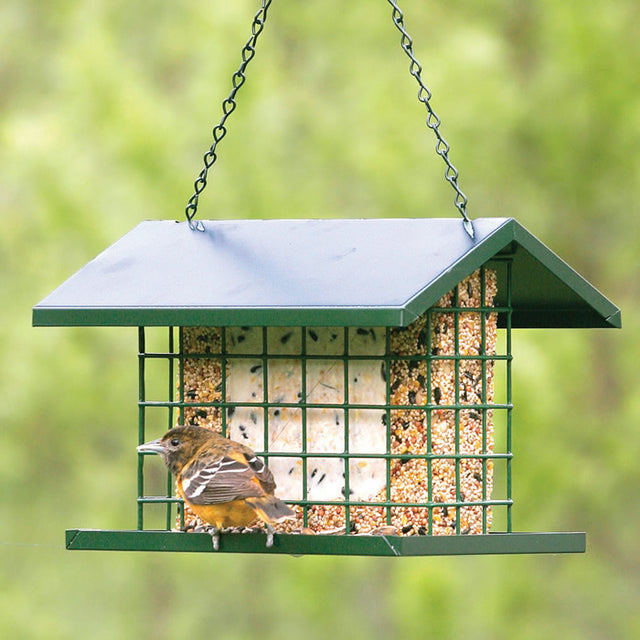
x=362 y=407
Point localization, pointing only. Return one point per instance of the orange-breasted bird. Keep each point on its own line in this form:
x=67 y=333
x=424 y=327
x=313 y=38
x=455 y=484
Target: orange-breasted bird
x=223 y=481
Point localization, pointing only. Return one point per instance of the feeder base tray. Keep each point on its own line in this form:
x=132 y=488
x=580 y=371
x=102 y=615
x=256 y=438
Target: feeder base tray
x=351 y=545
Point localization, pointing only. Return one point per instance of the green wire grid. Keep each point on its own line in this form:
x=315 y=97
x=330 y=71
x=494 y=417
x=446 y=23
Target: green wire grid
x=177 y=403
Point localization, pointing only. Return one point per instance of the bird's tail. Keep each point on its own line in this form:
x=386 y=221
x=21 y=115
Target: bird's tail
x=270 y=508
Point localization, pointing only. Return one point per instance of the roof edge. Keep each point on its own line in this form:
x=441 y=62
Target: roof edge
x=221 y=317
x=609 y=312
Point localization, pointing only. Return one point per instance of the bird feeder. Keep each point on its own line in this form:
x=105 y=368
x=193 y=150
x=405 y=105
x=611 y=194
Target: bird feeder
x=367 y=361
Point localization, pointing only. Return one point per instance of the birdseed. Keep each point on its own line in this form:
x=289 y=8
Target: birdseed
x=338 y=396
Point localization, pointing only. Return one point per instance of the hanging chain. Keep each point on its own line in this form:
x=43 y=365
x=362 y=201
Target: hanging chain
x=228 y=107
x=239 y=78
x=433 y=121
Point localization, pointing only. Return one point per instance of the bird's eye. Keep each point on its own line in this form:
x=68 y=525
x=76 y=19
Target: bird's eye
x=175 y=442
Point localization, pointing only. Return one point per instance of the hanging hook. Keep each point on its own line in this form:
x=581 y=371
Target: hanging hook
x=468 y=227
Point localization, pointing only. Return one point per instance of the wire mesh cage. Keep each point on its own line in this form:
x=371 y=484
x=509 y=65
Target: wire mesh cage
x=366 y=429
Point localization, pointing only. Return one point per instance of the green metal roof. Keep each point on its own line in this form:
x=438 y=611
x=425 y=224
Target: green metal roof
x=373 y=272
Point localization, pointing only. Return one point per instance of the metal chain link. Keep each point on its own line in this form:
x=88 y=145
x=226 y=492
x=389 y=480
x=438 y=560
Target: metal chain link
x=228 y=107
x=239 y=78
x=433 y=121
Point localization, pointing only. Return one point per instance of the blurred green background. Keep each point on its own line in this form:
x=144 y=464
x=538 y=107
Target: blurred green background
x=106 y=108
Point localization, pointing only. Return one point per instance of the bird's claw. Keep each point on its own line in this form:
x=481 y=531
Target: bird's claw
x=215 y=534
x=215 y=539
x=212 y=531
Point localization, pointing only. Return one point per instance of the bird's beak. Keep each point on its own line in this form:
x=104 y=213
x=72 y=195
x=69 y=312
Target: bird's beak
x=154 y=446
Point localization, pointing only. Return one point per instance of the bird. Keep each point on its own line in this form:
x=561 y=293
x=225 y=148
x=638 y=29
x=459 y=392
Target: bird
x=223 y=481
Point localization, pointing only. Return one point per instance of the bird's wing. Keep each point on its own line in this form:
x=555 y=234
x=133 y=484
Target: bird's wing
x=221 y=479
x=263 y=473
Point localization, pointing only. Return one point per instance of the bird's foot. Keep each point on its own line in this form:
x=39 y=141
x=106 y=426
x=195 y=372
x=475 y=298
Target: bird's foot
x=215 y=538
x=212 y=531
x=270 y=533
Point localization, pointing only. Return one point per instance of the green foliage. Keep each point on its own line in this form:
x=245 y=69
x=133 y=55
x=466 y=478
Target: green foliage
x=105 y=111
